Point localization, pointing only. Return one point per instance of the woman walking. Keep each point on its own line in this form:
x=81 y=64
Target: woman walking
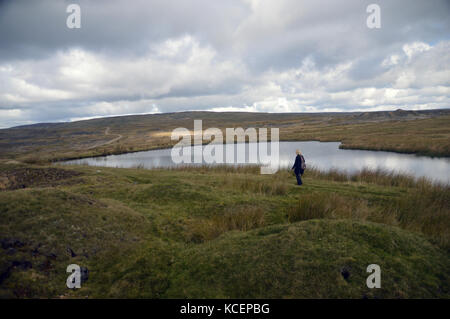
x=299 y=167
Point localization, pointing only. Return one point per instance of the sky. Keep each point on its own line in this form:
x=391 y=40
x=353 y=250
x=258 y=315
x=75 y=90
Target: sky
x=141 y=57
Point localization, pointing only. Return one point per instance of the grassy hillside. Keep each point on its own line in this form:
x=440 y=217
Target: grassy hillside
x=420 y=132
x=221 y=232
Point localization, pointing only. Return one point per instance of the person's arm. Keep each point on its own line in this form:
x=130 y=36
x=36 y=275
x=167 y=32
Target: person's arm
x=295 y=163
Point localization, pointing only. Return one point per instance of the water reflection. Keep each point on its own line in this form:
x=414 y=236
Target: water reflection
x=321 y=155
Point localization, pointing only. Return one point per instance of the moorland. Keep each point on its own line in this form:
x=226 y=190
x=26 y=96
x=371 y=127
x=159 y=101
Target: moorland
x=222 y=232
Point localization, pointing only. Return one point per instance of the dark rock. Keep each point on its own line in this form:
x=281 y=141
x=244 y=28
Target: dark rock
x=84 y=274
x=22 y=264
x=35 y=252
x=11 y=242
x=45 y=266
x=6 y=243
x=5 y=274
x=71 y=252
x=51 y=256
x=11 y=251
x=345 y=272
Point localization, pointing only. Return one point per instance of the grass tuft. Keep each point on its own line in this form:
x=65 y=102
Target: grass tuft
x=242 y=218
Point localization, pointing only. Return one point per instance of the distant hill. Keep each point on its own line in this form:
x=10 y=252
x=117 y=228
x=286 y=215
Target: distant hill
x=399 y=115
x=238 y=117
x=120 y=134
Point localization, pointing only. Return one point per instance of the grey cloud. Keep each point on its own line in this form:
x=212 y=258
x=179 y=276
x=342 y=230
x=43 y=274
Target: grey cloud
x=28 y=28
x=148 y=56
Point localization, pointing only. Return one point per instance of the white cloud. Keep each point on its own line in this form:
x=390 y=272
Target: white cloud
x=180 y=74
x=251 y=55
x=414 y=48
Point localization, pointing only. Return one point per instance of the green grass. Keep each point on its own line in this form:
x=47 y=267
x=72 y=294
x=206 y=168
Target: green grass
x=305 y=260
x=224 y=232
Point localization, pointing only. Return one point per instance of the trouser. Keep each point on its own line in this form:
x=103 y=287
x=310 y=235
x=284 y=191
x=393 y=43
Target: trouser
x=299 y=178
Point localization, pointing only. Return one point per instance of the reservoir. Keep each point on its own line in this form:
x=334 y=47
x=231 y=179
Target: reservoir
x=321 y=155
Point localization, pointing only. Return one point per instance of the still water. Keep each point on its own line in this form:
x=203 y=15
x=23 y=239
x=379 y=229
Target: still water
x=321 y=155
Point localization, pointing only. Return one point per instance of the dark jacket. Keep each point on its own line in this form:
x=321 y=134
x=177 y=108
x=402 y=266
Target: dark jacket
x=298 y=164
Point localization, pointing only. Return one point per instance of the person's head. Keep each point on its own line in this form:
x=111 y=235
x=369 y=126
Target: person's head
x=298 y=152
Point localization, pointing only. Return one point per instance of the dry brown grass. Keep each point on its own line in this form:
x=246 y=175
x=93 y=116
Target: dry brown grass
x=373 y=176
x=425 y=209
x=328 y=205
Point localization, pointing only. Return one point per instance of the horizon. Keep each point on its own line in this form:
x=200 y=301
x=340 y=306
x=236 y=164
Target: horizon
x=111 y=59
x=208 y=111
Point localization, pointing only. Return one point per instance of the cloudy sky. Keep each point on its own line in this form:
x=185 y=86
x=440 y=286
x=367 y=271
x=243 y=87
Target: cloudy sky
x=135 y=57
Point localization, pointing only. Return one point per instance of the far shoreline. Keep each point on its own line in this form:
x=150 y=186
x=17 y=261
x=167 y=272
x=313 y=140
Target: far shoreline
x=341 y=146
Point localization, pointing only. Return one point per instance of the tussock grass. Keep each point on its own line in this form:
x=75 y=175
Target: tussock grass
x=145 y=233
x=384 y=177
x=328 y=205
x=224 y=168
x=425 y=209
x=248 y=184
x=377 y=176
x=242 y=218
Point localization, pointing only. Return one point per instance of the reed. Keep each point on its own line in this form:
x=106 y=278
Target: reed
x=241 y=218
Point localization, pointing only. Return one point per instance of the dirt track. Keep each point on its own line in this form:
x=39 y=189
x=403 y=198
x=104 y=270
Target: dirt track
x=106 y=143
